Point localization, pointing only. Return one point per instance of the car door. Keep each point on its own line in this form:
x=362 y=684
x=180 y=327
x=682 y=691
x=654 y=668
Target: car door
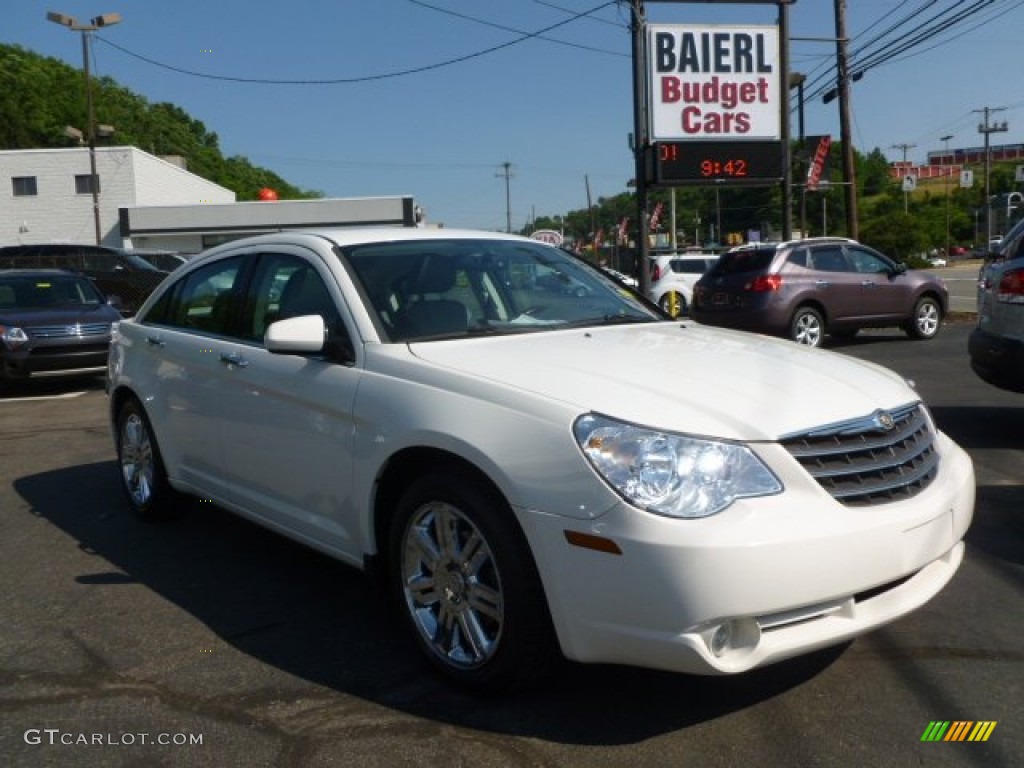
x=835 y=287
x=288 y=417
x=885 y=291
x=187 y=336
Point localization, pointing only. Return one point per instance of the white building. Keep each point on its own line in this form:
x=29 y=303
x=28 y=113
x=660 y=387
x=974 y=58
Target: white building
x=47 y=196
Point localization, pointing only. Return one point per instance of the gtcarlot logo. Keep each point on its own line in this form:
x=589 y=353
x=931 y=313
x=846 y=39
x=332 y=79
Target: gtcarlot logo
x=958 y=730
x=55 y=737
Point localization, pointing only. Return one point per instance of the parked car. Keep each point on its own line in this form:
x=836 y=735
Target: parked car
x=996 y=345
x=672 y=290
x=622 y=277
x=126 y=279
x=805 y=289
x=165 y=261
x=536 y=474
x=52 y=322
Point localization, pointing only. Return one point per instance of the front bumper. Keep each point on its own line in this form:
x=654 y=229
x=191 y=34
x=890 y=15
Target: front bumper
x=767 y=579
x=53 y=360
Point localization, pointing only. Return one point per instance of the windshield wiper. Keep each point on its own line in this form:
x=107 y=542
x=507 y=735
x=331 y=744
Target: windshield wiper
x=611 y=320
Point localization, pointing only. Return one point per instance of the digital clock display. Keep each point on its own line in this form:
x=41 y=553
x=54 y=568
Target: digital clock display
x=692 y=162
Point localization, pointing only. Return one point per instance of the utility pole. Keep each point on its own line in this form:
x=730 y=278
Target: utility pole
x=640 y=141
x=987 y=128
x=946 y=167
x=506 y=172
x=906 y=193
x=845 y=132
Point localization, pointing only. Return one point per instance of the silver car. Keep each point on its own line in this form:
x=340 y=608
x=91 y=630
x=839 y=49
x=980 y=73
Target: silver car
x=996 y=345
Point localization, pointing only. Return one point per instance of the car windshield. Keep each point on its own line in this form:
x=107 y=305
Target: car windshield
x=49 y=292
x=740 y=262
x=431 y=289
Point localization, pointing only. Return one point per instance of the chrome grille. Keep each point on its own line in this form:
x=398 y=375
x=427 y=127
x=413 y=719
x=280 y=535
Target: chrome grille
x=69 y=330
x=883 y=457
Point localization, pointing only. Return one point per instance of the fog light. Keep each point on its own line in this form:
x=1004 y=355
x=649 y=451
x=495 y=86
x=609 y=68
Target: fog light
x=720 y=639
x=732 y=636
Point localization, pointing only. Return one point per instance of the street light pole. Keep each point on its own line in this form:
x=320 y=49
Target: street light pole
x=106 y=20
x=947 y=167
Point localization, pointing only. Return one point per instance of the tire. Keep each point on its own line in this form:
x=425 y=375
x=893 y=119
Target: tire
x=143 y=477
x=927 y=319
x=673 y=304
x=464 y=581
x=807 y=327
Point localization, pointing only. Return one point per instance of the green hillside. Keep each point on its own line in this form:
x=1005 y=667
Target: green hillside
x=40 y=96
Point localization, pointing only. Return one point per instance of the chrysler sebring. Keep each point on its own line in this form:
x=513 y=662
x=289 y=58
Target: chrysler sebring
x=537 y=473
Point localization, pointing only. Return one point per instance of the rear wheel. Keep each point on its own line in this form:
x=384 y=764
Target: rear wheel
x=673 y=304
x=142 y=470
x=465 y=583
x=927 y=319
x=807 y=327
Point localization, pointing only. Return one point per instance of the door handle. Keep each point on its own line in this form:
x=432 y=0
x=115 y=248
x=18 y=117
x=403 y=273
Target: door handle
x=867 y=283
x=155 y=341
x=233 y=360
x=822 y=283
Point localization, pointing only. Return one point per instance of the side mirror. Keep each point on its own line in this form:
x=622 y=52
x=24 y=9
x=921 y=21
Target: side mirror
x=296 y=335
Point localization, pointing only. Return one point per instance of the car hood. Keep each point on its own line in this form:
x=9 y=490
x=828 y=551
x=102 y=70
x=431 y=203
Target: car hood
x=682 y=377
x=33 y=318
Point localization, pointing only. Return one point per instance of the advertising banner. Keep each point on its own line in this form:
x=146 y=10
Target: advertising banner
x=713 y=82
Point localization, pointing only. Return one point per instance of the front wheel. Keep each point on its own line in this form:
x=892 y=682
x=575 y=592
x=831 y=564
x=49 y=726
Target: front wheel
x=143 y=477
x=465 y=583
x=807 y=327
x=927 y=319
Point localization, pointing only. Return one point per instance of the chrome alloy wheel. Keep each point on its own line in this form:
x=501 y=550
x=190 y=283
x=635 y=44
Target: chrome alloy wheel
x=807 y=329
x=451 y=585
x=137 y=461
x=927 y=319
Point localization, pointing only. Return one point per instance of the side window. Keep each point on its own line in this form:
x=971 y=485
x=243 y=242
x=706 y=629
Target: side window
x=99 y=261
x=866 y=262
x=287 y=286
x=203 y=300
x=828 y=258
x=798 y=257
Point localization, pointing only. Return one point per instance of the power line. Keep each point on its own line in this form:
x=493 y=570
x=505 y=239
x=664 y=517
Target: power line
x=486 y=23
x=366 y=78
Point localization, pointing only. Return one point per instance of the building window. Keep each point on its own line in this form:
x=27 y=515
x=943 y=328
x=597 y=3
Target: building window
x=24 y=186
x=83 y=184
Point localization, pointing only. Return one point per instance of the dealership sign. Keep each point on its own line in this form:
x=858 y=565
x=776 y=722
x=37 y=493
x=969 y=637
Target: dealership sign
x=714 y=82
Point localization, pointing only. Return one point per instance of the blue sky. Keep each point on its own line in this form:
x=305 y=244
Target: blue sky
x=473 y=95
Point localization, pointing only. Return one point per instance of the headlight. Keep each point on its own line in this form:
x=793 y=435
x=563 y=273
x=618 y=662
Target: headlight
x=672 y=474
x=13 y=336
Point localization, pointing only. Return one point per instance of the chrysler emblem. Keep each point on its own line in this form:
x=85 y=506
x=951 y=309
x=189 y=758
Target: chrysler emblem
x=883 y=420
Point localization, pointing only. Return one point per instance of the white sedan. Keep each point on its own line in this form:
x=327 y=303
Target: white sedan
x=537 y=474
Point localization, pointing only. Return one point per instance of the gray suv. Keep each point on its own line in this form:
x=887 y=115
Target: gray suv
x=805 y=289
x=996 y=346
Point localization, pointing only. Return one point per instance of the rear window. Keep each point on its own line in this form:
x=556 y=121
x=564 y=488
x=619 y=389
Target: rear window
x=740 y=262
x=689 y=266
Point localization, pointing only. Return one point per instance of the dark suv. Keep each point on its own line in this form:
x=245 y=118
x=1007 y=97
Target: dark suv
x=996 y=345
x=804 y=289
x=126 y=279
x=52 y=322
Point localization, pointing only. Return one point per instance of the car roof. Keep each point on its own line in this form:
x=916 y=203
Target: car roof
x=41 y=273
x=347 y=236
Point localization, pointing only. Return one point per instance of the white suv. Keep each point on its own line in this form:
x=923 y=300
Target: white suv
x=996 y=345
x=673 y=278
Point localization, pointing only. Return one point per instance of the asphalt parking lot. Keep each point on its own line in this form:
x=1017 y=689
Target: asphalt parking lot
x=209 y=642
